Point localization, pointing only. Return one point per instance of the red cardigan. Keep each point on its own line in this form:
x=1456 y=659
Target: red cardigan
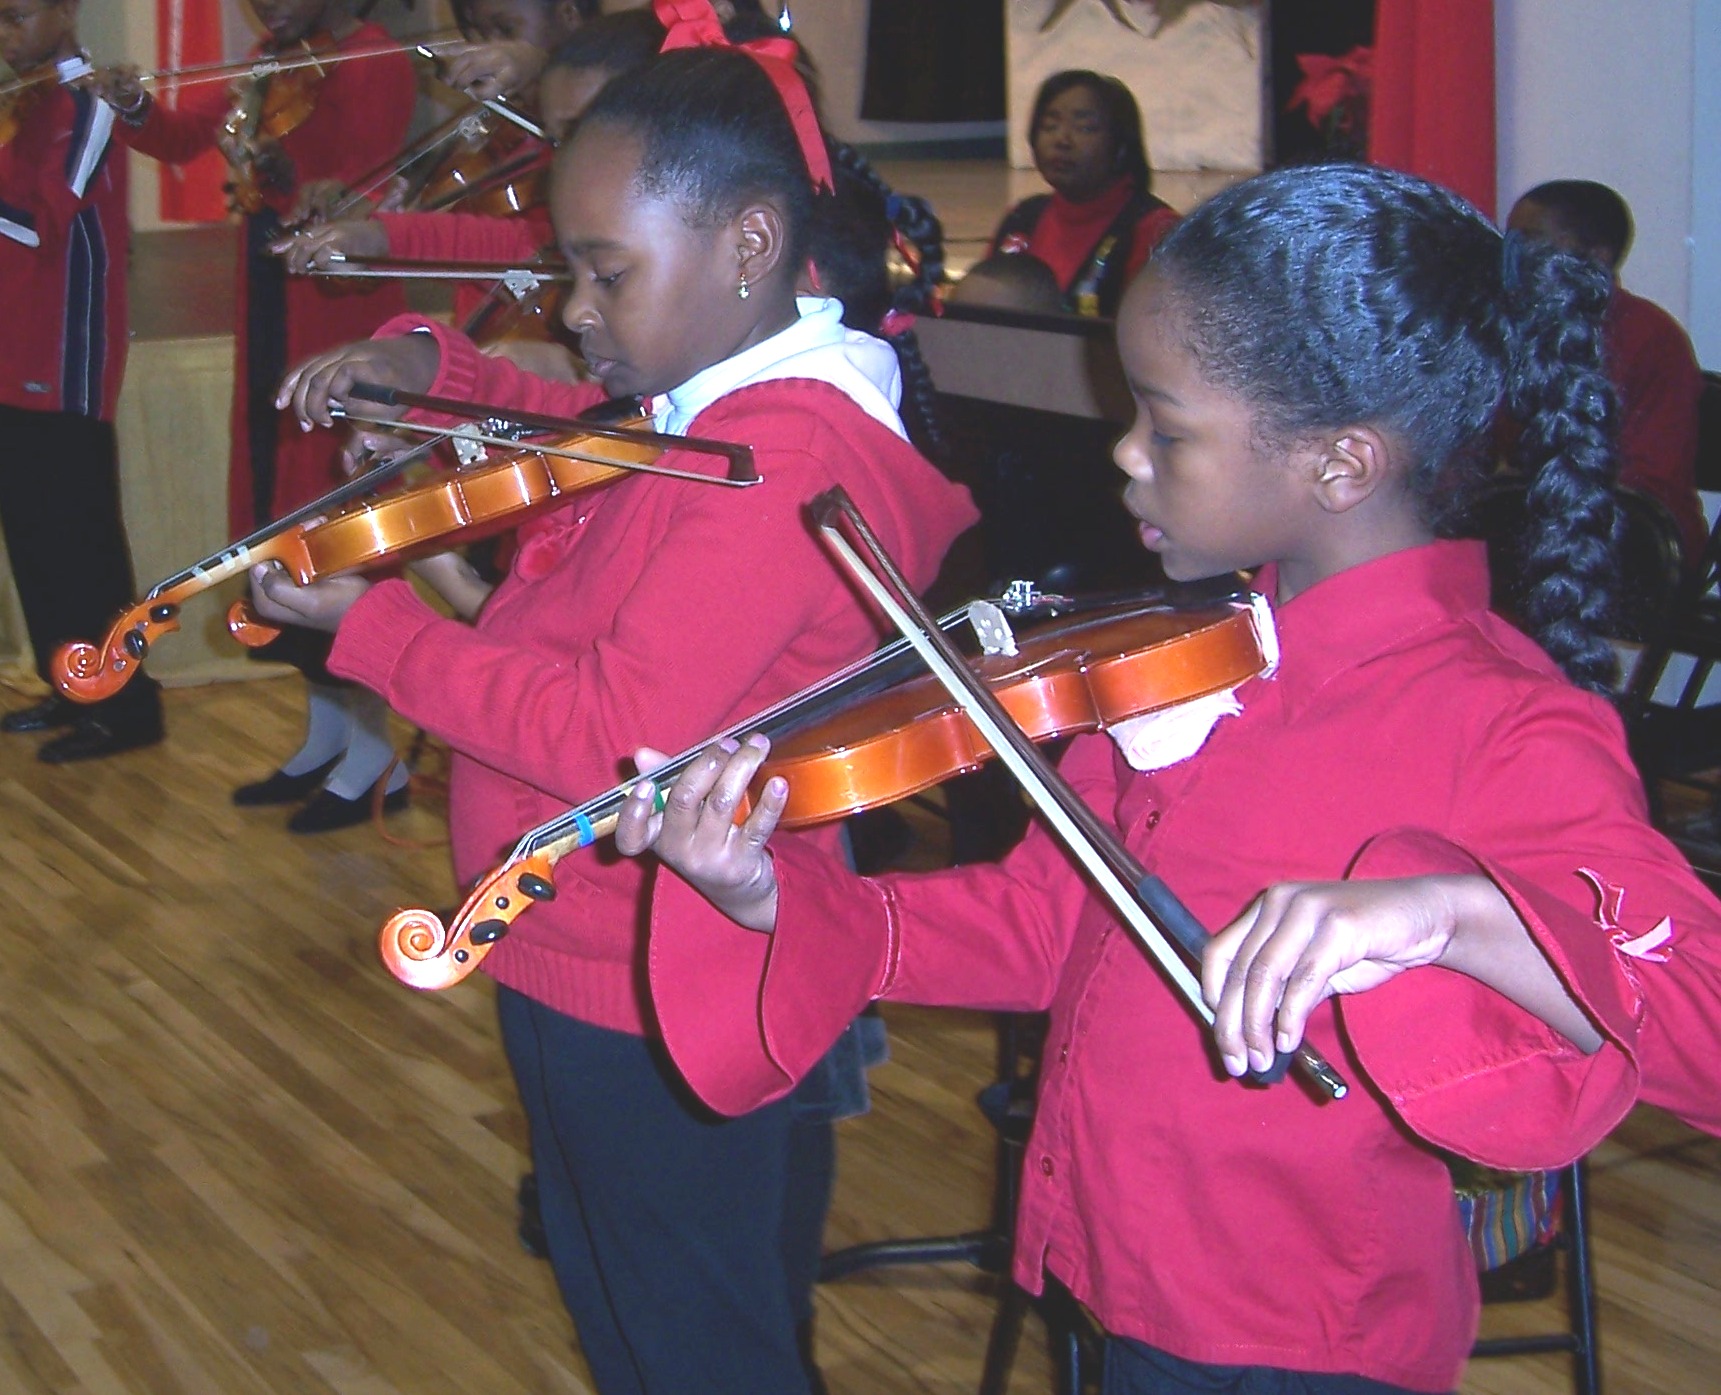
x=1408 y=731
x=63 y=299
x=652 y=612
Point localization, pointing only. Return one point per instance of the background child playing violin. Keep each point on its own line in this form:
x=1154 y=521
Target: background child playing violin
x=582 y=62
x=684 y=203
x=1423 y=843
x=63 y=249
x=341 y=125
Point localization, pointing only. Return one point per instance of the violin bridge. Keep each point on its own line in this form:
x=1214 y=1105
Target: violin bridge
x=468 y=450
x=992 y=629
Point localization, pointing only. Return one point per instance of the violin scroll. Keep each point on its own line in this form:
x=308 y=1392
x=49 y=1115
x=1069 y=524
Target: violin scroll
x=86 y=672
x=248 y=627
x=423 y=953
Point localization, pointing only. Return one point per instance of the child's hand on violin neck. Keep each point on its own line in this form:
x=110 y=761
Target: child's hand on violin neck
x=408 y=362
x=322 y=244
x=320 y=606
x=1301 y=942
x=697 y=836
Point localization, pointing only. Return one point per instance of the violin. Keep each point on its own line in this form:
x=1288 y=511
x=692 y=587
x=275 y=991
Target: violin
x=882 y=730
x=345 y=532
x=271 y=104
x=473 y=127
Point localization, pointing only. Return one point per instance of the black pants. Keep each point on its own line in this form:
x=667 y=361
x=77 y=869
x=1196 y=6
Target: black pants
x=1132 y=1368
x=60 y=510
x=669 y=1229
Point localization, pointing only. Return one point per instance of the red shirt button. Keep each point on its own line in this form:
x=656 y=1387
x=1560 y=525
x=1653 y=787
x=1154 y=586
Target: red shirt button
x=1047 y=1167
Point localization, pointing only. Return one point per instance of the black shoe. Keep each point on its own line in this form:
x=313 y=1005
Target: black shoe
x=282 y=788
x=93 y=738
x=328 y=810
x=52 y=711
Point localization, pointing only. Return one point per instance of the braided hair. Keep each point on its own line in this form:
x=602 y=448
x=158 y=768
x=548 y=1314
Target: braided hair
x=1331 y=294
x=850 y=251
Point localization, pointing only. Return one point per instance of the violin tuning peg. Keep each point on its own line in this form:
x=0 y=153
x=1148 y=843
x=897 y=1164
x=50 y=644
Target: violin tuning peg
x=538 y=888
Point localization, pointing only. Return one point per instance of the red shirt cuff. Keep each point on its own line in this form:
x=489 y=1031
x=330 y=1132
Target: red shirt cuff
x=746 y=1015
x=1481 y=1076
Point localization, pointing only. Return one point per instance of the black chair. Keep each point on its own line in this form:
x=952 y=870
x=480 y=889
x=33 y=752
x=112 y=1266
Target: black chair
x=1675 y=735
x=1521 y=1278
x=1709 y=434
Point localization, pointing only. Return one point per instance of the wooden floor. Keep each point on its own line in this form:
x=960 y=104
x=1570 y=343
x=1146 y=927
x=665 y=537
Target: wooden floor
x=236 y=1157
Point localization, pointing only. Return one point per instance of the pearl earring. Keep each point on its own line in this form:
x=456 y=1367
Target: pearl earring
x=743 y=290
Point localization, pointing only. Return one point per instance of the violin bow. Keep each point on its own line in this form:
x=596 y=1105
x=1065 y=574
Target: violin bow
x=742 y=472
x=1142 y=900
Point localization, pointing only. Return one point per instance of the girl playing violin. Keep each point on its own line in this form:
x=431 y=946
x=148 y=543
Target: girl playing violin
x=1421 y=840
x=340 y=123
x=595 y=53
x=684 y=203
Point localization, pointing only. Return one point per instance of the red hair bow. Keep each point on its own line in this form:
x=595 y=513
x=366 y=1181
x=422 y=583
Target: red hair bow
x=694 y=24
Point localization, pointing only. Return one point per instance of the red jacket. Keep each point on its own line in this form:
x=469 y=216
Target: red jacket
x=1654 y=367
x=359 y=120
x=1408 y=731
x=64 y=240
x=651 y=612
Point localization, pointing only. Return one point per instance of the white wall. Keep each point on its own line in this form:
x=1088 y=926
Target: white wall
x=1628 y=94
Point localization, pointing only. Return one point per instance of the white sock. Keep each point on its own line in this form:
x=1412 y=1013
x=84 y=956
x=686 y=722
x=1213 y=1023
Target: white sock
x=327 y=728
x=369 y=749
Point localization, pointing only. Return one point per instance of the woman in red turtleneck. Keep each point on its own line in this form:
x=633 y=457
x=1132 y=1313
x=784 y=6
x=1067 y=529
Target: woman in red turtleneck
x=1100 y=223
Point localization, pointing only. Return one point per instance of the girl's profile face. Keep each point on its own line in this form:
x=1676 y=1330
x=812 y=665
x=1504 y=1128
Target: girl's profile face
x=653 y=300
x=1209 y=495
x=1074 y=150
